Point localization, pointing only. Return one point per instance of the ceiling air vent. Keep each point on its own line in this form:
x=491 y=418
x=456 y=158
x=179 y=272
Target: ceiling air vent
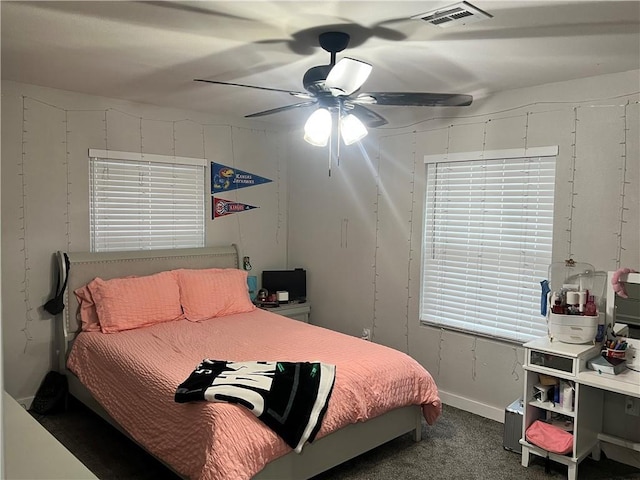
x=461 y=13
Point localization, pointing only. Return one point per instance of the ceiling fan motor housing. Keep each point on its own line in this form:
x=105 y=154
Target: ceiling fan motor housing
x=314 y=78
x=334 y=42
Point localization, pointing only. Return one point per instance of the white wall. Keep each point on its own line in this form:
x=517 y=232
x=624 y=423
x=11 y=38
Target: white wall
x=358 y=233
x=46 y=135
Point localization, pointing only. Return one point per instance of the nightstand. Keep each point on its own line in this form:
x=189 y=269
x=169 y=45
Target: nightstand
x=297 y=311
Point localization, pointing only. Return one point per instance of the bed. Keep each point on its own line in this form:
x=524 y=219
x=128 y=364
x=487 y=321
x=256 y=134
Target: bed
x=382 y=393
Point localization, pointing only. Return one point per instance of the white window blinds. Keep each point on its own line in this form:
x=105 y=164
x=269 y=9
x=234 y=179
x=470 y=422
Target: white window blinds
x=487 y=245
x=145 y=202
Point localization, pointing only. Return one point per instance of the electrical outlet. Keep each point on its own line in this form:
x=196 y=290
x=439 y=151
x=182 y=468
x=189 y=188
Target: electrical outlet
x=632 y=406
x=366 y=334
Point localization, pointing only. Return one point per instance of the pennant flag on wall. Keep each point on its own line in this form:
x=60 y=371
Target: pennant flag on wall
x=225 y=178
x=221 y=207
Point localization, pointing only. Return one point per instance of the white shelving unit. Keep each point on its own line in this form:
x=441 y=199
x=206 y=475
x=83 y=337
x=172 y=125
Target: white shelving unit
x=566 y=361
x=563 y=362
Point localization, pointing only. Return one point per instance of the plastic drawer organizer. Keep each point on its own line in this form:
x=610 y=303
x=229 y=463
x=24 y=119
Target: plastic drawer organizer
x=576 y=302
x=574 y=328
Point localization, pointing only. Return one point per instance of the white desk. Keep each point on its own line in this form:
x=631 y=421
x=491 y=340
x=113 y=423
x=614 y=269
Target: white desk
x=626 y=383
x=568 y=362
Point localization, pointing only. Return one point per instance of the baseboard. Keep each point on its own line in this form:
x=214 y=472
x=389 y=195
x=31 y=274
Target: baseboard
x=621 y=454
x=477 y=408
x=25 y=402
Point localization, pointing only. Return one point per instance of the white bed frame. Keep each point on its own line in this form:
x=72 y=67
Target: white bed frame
x=317 y=457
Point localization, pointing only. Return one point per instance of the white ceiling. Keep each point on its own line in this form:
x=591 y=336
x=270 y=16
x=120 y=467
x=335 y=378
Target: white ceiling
x=150 y=52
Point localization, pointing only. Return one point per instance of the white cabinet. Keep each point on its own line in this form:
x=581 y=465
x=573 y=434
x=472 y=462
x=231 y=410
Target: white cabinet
x=562 y=362
x=30 y=451
x=297 y=311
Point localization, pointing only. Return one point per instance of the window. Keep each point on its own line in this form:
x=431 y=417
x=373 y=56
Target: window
x=487 y=241
x=142 y=201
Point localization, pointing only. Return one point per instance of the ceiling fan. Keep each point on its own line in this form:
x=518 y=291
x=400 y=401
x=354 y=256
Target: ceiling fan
x=334 y=88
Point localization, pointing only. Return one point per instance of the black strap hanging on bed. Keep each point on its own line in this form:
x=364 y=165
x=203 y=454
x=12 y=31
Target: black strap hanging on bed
x=56 y=305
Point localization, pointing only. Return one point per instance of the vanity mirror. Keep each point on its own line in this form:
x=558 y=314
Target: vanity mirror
x=624 y=306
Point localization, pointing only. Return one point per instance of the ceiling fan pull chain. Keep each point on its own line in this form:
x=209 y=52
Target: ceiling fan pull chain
x=338 y=130
x=330 y=149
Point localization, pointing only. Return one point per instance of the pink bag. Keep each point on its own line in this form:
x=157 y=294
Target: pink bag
x=549 y=437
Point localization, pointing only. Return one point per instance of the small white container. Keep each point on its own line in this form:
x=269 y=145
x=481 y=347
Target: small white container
x=573 y=328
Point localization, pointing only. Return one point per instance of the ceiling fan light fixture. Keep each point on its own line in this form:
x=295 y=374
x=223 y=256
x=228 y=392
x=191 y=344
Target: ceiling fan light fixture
x=347 y=76
x=317 y=130
x=352 y=129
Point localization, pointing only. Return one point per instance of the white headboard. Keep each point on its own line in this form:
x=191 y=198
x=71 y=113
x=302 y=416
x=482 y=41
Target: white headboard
x=85 y=266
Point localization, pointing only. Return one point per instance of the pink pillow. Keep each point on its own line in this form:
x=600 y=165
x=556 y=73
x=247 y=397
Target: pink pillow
x=213 y=292
x=127 y=303
x=87 y=309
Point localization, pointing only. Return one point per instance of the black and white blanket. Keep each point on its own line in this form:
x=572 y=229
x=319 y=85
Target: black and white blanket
x=291 y=398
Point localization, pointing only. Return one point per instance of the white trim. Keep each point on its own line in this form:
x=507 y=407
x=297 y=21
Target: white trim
x=472 y=406
x=146 y=157
x=25 y=402
x=549 y=151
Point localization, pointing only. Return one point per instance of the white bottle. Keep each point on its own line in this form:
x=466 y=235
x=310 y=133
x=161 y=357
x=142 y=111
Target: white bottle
x=566 y=396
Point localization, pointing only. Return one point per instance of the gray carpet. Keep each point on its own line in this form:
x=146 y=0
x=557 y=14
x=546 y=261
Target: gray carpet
x=459 y=446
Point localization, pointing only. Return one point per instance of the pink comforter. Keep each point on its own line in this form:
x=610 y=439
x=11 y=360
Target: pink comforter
x=134 y=375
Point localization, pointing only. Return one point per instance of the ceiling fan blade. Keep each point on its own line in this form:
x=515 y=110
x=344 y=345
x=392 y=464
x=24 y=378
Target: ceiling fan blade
x=370 y=118
x=347 y=76
x=290 y=92
x=415 y=99
x=282 y=109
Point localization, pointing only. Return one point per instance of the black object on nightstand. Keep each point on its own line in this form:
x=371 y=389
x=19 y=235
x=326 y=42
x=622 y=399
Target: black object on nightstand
x=292 y=281
x=267 y=304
